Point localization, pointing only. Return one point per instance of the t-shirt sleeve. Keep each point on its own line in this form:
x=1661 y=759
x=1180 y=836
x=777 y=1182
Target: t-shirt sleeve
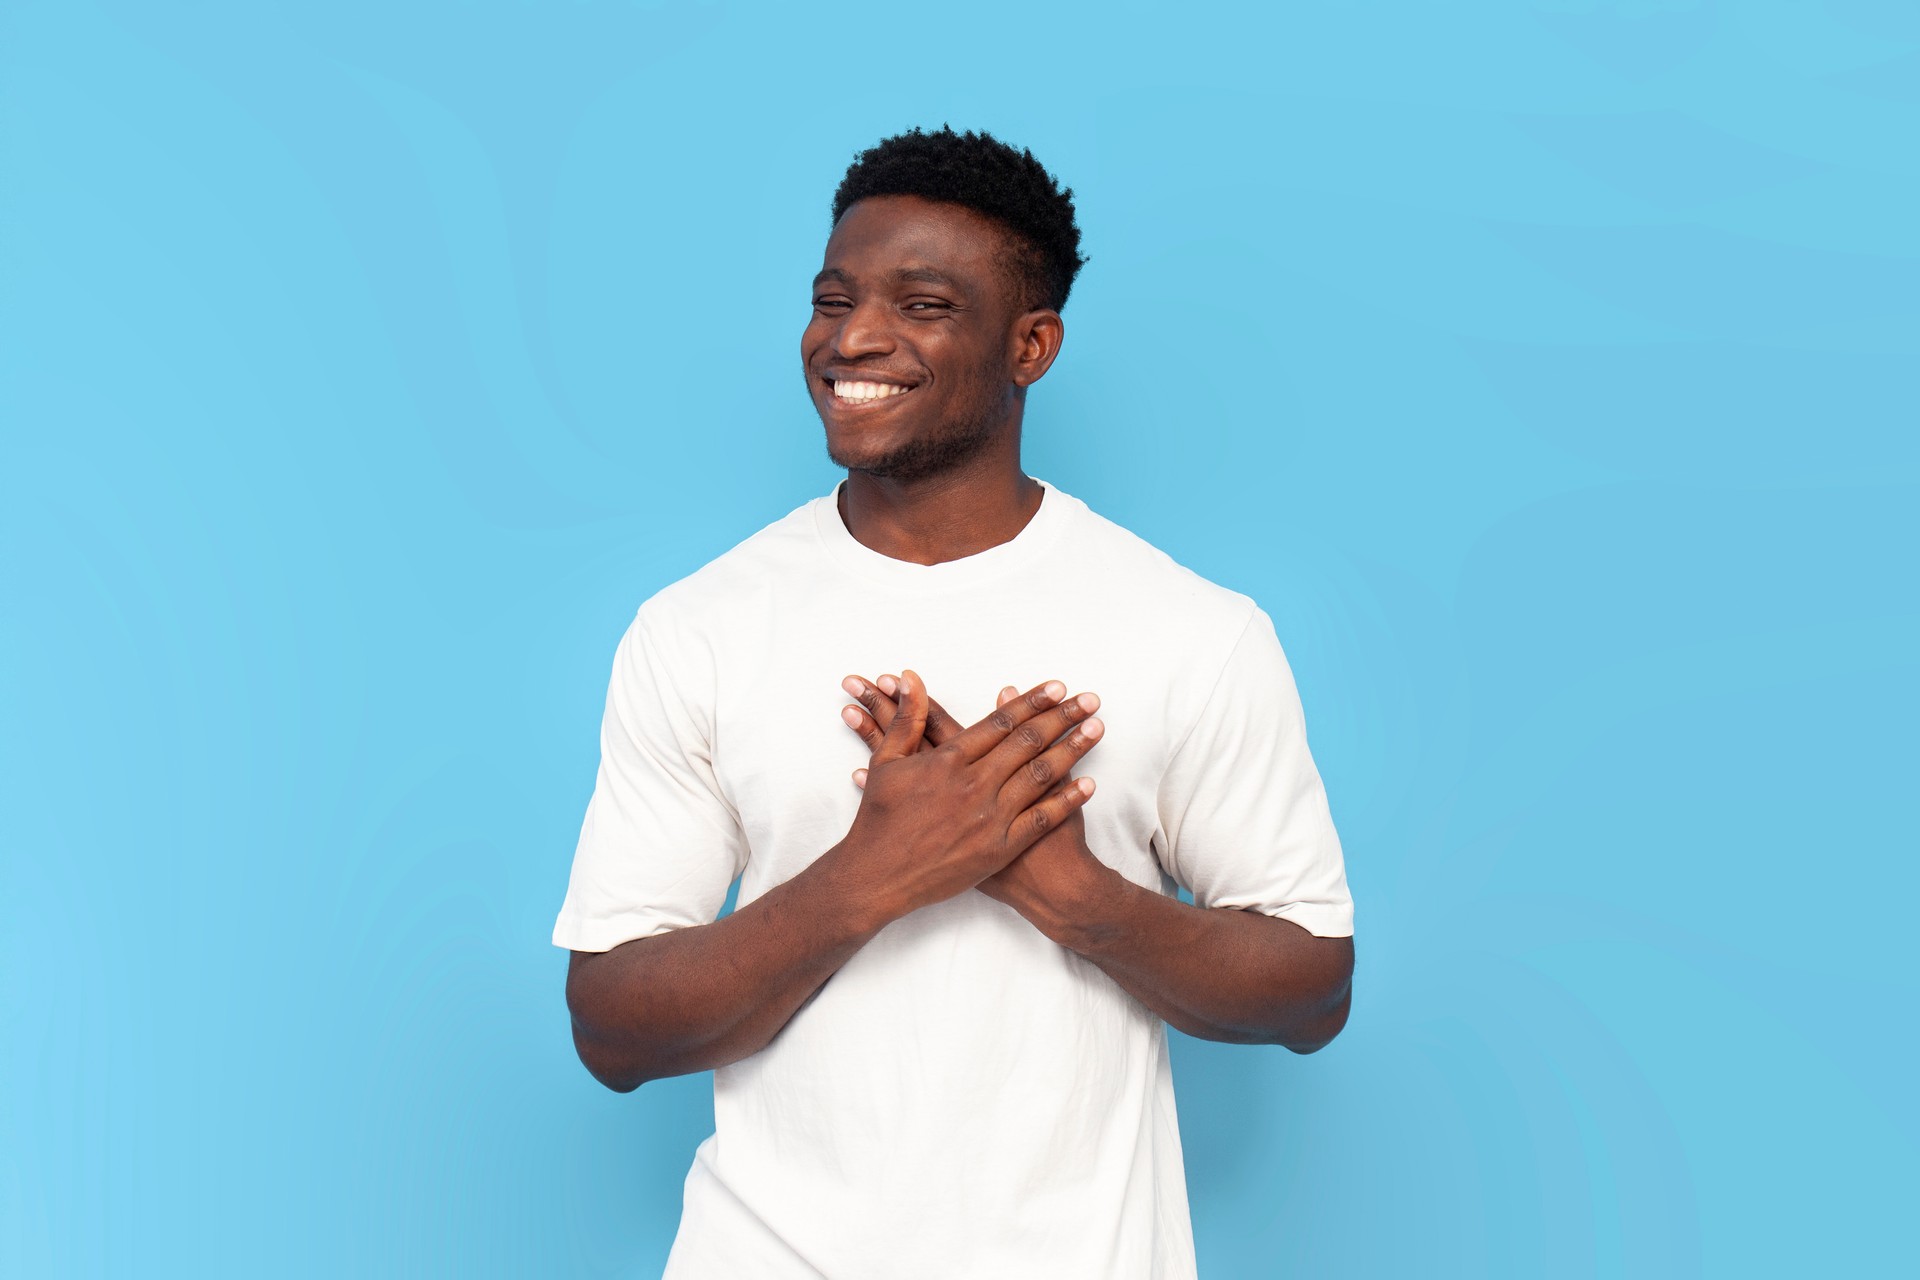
x=660 y=843
x=1242 y=810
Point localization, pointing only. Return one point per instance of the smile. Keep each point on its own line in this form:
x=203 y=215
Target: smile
x=847 y=394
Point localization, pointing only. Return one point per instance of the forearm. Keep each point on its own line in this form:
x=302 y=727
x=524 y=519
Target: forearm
x=1218 y=974
x=697 y=998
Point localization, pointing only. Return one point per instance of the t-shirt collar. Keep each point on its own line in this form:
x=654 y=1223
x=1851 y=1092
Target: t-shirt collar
x=1019 y=552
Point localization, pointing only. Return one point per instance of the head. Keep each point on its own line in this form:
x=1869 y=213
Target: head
x=938 y=302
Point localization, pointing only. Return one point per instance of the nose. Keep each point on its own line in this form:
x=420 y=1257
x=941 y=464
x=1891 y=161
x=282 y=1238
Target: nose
x=863 y=331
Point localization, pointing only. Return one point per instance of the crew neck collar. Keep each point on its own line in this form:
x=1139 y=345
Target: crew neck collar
x=982 y=566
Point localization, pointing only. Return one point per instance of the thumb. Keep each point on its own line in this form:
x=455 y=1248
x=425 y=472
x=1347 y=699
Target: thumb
x=909 y=719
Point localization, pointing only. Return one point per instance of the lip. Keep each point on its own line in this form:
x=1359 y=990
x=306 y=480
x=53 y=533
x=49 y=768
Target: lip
x=838 y=405
x=840 y=373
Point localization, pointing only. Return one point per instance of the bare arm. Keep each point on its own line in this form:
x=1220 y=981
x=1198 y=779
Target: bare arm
x=932 y=824
x=1215 y=973
x=698 y=998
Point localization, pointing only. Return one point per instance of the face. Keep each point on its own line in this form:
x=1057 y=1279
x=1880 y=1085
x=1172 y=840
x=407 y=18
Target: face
x=916 y=356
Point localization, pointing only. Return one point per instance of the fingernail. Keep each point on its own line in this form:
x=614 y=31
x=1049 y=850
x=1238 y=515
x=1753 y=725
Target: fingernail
x=1086 y=786
x=851 y=716
x=1089 y=702
x=1092 y=728
x=853 y=685
x=1054 y=690
x=887 y=685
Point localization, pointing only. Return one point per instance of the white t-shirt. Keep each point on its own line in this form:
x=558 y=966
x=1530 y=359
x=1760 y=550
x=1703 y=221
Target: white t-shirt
x=964 y=1097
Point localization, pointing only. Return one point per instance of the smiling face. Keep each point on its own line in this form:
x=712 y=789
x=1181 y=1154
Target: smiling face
x=917 y=355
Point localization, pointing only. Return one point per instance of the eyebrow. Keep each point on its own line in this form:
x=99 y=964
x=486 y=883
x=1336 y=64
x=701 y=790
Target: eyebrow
x=915 y=275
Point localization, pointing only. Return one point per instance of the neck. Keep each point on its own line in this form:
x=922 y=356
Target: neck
x=945 y=517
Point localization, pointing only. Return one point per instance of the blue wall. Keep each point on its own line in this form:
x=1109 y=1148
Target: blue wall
x=1547 y=369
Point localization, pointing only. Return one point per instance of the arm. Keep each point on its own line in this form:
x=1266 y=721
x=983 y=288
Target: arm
x=1215 y=973
x=931 y=825
x=697 y=998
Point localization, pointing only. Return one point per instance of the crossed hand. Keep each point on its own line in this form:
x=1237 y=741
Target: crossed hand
x=991 y=805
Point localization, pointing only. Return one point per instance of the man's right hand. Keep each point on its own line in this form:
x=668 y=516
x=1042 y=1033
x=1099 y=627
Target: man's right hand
x=936 y=822
x=932 y=823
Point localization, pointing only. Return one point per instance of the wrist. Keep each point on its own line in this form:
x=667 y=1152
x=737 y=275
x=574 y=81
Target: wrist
x=1087 y=910
x=863 y=902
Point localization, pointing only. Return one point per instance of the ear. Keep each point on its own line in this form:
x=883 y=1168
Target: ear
x=1036 y=340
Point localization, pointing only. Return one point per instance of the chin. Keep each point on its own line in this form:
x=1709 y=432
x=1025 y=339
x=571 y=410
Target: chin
x=880 y=465
x=872 y=446
x=857 y=457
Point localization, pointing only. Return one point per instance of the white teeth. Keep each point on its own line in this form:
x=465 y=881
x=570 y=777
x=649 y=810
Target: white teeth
x=866 y=390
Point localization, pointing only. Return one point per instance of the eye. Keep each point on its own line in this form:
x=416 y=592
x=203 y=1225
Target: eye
x=926 y=305
x=821 y=303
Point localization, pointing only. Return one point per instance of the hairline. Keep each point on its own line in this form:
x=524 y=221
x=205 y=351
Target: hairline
x=1016 y=257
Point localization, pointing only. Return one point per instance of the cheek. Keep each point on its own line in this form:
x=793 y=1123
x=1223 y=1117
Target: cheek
x=982 y=381
x=814 y=336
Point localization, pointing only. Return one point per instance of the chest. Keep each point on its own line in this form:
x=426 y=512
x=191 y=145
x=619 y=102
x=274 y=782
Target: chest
x=785 y=759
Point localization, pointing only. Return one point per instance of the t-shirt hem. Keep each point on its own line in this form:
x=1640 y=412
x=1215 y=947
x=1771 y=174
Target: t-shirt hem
x=1321 y=919
x=577 y=934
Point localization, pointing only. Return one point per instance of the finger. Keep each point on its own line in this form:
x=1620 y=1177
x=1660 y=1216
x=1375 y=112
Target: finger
x=865 y=722
x=1049 y=812
x=1006 y=695
x=1028 y=781
x=941 y=726
x=864 y=725
x=878 y=710
x=876 y=696
x=909 y=723
x=977 y=740
x=1037 y=732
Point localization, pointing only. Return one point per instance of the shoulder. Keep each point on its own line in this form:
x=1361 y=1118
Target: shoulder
x=733 y=584
x=1183 y=606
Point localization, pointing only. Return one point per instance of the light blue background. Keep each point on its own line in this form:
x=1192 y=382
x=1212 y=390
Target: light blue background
x=1546 y=369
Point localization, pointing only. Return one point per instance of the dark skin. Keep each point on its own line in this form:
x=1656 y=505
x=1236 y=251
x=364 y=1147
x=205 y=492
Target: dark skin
x=915 y=298
x=1218 y=974
x=916 y=293
x=931 y=824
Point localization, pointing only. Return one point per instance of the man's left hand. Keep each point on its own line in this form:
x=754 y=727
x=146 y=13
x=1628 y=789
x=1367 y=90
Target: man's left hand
x=1045 y=881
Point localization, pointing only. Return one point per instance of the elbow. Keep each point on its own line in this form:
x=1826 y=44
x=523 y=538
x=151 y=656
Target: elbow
x=1304 y=1047
x=1317 y=1039
x=619 y=1084
x=612 y=1070
x=606 y=1060
x=1331 y=1020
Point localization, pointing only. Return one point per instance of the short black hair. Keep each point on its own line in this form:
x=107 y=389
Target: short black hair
x=984 y=174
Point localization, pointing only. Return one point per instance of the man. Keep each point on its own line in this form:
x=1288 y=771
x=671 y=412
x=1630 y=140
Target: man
x=936 y=1018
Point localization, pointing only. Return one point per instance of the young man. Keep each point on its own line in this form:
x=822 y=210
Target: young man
x=936 y=1019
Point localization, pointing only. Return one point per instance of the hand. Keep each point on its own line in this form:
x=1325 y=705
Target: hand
x=1039 y=881
x=933 y=823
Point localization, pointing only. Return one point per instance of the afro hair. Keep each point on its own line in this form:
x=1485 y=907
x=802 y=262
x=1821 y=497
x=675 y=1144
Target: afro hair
x=979 y=172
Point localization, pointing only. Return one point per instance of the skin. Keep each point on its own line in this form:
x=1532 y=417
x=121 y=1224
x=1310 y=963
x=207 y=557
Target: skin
x=931 y=824
x=1218 y=974
x=916 y=293
x=969 y=349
